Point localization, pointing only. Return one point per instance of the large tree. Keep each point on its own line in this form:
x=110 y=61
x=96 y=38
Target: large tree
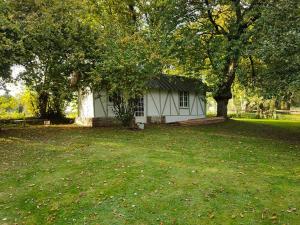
x=130 y=55
x=10 y=44
x=274 y=68
x=211 y=38
x=58 y=39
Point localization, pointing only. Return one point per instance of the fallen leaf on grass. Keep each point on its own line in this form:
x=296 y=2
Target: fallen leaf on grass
x=273 y=217
x=291 y=210
x=82 y=194
x=54 y=207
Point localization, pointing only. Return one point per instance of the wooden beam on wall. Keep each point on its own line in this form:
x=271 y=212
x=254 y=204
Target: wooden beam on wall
x=177 y=110
x=154 y=103
x=200 y=102
x=163 y=110
x=192 y=107
x=105 y=113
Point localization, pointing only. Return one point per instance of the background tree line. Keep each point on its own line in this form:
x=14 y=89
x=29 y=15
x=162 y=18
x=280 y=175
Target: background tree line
x=118 y=45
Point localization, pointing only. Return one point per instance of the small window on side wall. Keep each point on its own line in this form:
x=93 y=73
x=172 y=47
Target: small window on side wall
x=139 y=109
x=184 y=99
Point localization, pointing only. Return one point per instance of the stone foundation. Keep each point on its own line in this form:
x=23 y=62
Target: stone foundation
x=105 y=122
x=111 y=121
x=156 y=119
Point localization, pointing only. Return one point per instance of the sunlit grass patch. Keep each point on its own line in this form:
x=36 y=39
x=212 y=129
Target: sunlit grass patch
x=238 y=172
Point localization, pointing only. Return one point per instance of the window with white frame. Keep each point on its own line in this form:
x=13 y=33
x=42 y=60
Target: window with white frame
x=139 y=110
x=184 y=99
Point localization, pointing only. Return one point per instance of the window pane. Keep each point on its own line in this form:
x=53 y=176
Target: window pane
x=186 y=99
x=180 y=99
x=183 y=99
x=139 y=110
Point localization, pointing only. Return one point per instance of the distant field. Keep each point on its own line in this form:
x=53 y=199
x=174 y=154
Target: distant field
x=289 y=117
x=279 y=116
x=238 y=172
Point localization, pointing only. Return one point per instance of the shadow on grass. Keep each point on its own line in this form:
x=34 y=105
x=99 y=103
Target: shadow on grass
x=286 y=131
x=267 y=129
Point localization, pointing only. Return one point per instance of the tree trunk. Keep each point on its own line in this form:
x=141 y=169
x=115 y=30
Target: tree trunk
x=43 y=104
x=288 y=105
x=222 y=97
x=277 y=103
x=223 y=93
x=57 y=111
x=222 y=107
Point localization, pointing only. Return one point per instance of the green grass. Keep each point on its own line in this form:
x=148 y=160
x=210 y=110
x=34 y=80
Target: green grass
x=237 y=172
x=279 y=116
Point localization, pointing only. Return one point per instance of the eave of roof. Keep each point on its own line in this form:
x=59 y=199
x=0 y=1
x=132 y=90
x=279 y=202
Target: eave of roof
x=178 y=83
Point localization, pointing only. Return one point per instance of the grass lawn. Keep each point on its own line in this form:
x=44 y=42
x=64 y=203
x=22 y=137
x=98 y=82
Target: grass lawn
x=238 y=172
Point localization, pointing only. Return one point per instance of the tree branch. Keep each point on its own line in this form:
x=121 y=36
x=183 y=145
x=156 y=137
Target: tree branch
x=245 y=25
x=253 y=4
x=219 y=29
x=238 y=12
x=253 y=74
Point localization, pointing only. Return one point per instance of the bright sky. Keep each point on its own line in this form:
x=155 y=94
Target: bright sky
x=17 y=87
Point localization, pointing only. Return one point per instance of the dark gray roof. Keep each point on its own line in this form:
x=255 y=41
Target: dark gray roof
x=178 y=83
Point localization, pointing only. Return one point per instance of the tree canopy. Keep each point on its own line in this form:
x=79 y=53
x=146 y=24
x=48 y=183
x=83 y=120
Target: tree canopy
x=275 y=69
x=218 y=41
x=119 y=45
x=10 y=44
x=58 y=39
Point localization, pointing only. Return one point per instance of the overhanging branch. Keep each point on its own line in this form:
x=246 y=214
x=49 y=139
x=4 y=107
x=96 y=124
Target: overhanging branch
x=219 y=29
x=252 y=19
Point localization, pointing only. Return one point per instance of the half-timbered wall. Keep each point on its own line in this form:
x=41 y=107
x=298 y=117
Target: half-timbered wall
x=157 y=103
x=166 y=103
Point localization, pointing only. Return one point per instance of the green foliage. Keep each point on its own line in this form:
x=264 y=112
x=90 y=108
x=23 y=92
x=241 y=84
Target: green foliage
x=219 y=40
x=208 y=39
x=129 y=57
x=8 y=105
x=10 y=44
x=120 y=45
x=124 y=109
x=273 y=70
x=20 y=106
x=58 y=38
x=29 y=101
x=88 y=44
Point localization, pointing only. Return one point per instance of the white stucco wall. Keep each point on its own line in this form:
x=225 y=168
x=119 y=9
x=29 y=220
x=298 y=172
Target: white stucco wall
x=86 y=104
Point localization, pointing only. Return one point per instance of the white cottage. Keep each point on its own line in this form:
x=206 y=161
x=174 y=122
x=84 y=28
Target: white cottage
x=168 y=99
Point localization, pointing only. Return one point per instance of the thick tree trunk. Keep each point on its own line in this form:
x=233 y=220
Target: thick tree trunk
x=222 y=97
x=222 y=107
x=287 y=101
x=223 y=93
x=43 y=104
x=277 y=104
x=288 y=106
x=56 y=106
